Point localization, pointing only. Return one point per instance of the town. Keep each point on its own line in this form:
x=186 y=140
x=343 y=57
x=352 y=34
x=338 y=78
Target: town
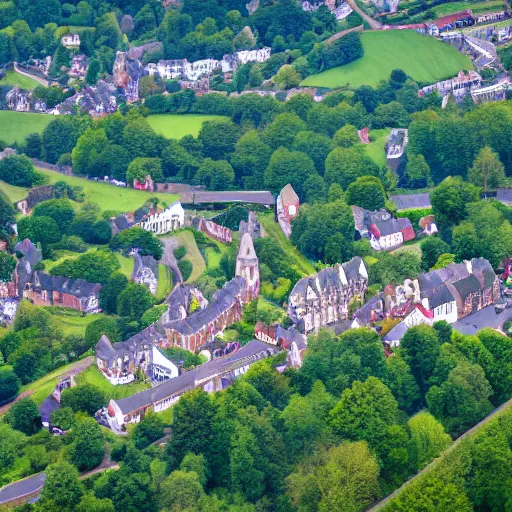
x=255 y=256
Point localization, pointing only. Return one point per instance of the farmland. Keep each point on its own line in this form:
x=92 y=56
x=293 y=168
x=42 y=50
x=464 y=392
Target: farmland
x=423 y=58
x=176 y=126
x=15 y=126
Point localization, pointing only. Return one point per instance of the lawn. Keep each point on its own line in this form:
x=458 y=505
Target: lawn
x=13 y=79
x=127 y=263
x=304 y=266
x=93 y=376
x=478 y=7
x=70 y=320
x=13 y=193
x=109 y=197
x=376 y=149
x=164 y=282
x=423 y=58
x=176 y=126
x=186 y=238
x=15 y=126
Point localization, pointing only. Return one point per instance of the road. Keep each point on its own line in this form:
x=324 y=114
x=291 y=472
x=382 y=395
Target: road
x=435 y=462
x=22 y=488
x=375 y=25
x=169 y=259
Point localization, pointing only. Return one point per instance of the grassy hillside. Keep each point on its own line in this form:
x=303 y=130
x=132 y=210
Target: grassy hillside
x=15 y=126
x=375 y=150
x=478 y=7
x=186 y=239
x=12 y=192
x=422 y=57
x=109 y=197
x=71 y=320
x=176 y=126
x=13 y=79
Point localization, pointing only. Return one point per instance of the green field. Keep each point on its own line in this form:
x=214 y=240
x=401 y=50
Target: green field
x=109 y=197
x=186 y=239
x=13 y=79
x=376 y=149
x=176 y=126
x=15 y=126
x=478 y=7
x=93 y=376
x=13 y=193
x=70 y=320
x=164 y=282
x=423 y=58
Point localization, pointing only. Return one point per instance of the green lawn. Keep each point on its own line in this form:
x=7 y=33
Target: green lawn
x=13 y=193
x=70 y=320
x=297 y=258
x=478 y=7
x=13 y=79
x=93 y=376
x=422 y=57
x=15 y=126
x=164 y=282
x=375 y=150
x=176 y=126
x=109 y=197
x=127 y=263
x=186 y=238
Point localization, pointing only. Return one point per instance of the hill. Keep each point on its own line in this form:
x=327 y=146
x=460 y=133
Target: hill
x=423 y=58
x=15 y=126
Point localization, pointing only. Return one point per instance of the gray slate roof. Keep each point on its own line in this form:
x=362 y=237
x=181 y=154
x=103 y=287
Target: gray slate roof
x=410 y=201
x=255 y=197
x=397 y=333
x=252 y=352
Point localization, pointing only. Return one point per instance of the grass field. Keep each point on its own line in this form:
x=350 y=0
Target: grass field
x=176 y=126
x=71 y=321
x=13 y=193
x=375 y=150
x=478 y=7
x=164 y=282
x=93 y=376
x=127 y=263
x=109 y=197
x=304 y=266
x=186 y=238
x=423 y=58
x=13 y=79
x=15 y=126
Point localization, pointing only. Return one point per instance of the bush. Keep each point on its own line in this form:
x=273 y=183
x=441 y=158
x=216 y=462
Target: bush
x=71 y=243
x=415 y=215
x=86 y=398
x=137 y=238
x=64 y=418
x=19 y=170
x=185 y=268
x=24 y=416
x=180 y=252
x=9 y=384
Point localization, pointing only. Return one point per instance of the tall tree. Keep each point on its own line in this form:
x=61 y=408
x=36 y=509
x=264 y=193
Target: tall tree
x=487 y=171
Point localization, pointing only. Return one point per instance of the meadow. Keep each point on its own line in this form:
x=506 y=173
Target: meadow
x=13 y=79
x=423 y=58
x=376 y=149
x=176 y=126
x=15 y=126
x=478 y=7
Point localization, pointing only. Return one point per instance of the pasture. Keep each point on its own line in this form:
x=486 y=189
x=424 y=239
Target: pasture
x=423 y=58
x=15 y=126
x=13 y=79
x=176 y=126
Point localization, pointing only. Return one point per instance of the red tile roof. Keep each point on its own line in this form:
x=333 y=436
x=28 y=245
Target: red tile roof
x=452 y=18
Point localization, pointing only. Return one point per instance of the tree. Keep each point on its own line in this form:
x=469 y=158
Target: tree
x=181 y=490
x=487 y=171
x=64 y=418
x=7 y=266
x=62 y=490
x=87 y=398
x=316 y=190
x=89 y=503
x=346 y=136
x=9 y=384
x=417 y=171
x=93 y=71
x=18 y=170
x=287 y=77
x=367 y=192
x=95 y=267
x=449 y=200
x=391 y=114
x=428 y=439
x=420 y=349
x=195 y=464
x=141 y=167
x=431 y=249
x=137 y=238
x=43 y=230
x=463 y=400
x=315 y=145
x=364 y=412
x=335 y=193
x=272 y=385
x=283 y=130
x=60 y=210
x=32 y=147
x=110 y=292
x=218 y=138
x=24 y=416
x=291 y=167
x=102 y=326
x=215 y=174
x=7 y=213
x=344 y=165
x=465 y=241
x=149 y=430
x=87 y=449
x=400 y=381
x=134 y=300
x=87 y=149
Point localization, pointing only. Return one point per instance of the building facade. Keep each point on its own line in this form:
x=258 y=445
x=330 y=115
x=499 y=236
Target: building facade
x=247 y=267
x=287 y=208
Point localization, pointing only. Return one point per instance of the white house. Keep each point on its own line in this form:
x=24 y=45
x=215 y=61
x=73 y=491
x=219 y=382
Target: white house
x=259 y=55
x=170 y=219
x=71 y=41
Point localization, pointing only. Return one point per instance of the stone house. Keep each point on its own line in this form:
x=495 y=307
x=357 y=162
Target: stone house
x=248 y=268
x=18 y=100
x=145 y=271
x=395 y=147
x=324 y=298
x=258 y=55
x=291 y=340
x=287 y=208
x=212 y=376
x=71 y=41
x=79 y=66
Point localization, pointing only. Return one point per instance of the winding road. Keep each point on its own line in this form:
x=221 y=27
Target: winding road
x=374 y=25
x=38 y=79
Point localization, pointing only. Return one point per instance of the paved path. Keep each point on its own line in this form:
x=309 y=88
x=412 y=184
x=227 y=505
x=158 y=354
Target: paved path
x=435 y=462
x=42 y=81
x=169 y=259
x=375 y=25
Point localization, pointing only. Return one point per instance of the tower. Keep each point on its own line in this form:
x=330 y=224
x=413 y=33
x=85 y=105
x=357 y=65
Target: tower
x=247 y=266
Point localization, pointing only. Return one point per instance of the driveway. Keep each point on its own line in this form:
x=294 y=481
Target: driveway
x=22 y=488
x=168 y=258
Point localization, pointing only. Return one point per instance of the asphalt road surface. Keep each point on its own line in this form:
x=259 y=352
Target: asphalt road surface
x=22 y=488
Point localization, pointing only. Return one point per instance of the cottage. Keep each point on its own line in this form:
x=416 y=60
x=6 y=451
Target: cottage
x=248 y=268
x=71 y=41
x=214 y=375
x=395 y=147
x=324 y=298
x=291 y=340
x=79 y=66
x=287 y=206
x=145 y=271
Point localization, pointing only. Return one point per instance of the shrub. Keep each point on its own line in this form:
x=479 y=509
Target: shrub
x=180 y=252
x=19 y=170
x=185 y=268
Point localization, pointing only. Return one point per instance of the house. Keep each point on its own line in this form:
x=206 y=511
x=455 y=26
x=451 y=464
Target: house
x=18 y=100
x=411 y=201
x=364 y=135
x=395 y=147
x=287 y=207
x=127 y=73
x=258 y=55
x=119 y=362
x=291 y=340
x=96 y=101
x=45 y=290
x=79 y=65
x=381 y=228
x=30 y=257
x=451 y=22
x=145 y=271
x=459 y=86
x=248 y=268
x=214 y=375
x=213 y=230
x=7 y=152
x=71 y=41
x=427 y=225
x=324 y=298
